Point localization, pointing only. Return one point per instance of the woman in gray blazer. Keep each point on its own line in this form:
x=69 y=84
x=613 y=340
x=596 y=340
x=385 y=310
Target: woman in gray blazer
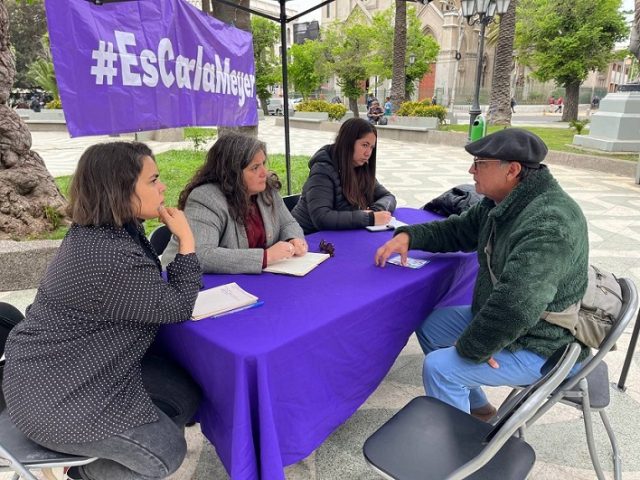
x=238 y=218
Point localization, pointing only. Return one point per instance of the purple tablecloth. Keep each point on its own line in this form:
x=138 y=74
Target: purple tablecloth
x=280 y=378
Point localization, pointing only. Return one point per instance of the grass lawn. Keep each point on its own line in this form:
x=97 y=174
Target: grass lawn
x=556 y=139
x=178 y=166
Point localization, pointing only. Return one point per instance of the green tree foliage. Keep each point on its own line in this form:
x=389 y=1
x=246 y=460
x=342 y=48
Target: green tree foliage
x=307 y=68
x=423 y=47
x=349 y=48
x=565 y=39
x=265 y=39
x=27 y=21
x=41 y=71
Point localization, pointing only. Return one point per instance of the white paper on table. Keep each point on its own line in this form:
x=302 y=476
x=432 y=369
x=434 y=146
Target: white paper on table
x=224 y=298
x=392 y=225
x=298 y=266
x=411 y=262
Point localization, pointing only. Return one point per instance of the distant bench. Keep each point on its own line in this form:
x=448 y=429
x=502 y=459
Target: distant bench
x=415 y=124
x=44 y=121
x=309 y=117
x=408 y=129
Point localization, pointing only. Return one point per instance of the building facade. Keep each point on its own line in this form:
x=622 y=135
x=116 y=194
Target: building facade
x=453 y=74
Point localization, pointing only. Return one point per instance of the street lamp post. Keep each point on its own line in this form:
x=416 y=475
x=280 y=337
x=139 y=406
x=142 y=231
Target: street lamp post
x=482 y=12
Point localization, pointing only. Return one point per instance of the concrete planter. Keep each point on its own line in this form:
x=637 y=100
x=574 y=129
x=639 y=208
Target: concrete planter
x=24 y=263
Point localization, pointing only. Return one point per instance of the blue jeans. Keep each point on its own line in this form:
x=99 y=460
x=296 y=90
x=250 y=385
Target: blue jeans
x=456 y=380
x=154 y=450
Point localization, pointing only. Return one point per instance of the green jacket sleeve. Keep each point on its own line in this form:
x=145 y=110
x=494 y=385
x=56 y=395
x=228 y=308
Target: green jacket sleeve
x=458 y=233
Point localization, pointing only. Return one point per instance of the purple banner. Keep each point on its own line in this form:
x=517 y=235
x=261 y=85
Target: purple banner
x=149 y=64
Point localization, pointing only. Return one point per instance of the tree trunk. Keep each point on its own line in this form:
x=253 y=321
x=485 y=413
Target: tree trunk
x=634 y=38
x=571 y=99
x=29 y=197
x=242 y=20
x=500 y=102
x=353 y=106
x=398 y=79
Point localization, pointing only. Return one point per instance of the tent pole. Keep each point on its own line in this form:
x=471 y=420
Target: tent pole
x=285 y=92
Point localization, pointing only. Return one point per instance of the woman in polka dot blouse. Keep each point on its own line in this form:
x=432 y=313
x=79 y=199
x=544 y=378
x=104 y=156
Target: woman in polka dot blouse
x=78 y=378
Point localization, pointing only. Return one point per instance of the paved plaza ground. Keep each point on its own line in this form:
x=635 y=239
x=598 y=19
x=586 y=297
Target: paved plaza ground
x=416 y=173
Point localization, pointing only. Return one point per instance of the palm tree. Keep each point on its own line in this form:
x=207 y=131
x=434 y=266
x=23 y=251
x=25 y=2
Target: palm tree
x=500 y=102
x=28 y=193
x=41 y=71
x=398 y=80
x=635 y=31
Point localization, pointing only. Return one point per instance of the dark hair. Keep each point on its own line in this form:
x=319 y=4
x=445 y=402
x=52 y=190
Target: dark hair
x=104 y=183
x=223 y=166
x=525 y=172
x=358 y=184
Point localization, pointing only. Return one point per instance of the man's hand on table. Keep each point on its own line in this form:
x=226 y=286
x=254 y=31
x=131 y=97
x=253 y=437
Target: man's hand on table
x=398 y=244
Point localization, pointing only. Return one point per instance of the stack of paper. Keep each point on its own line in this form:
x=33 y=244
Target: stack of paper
x=224 y=298
x=298 y=266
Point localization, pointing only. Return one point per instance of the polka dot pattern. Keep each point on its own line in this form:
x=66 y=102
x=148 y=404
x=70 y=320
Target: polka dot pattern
x=73 y=365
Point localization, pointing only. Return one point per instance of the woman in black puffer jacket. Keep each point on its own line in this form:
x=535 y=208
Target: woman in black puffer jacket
x=342 y=191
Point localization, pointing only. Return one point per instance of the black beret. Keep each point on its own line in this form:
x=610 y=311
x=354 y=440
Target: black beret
x=510 y=144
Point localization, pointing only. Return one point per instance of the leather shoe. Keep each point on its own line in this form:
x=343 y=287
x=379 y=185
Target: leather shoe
x=484 y=413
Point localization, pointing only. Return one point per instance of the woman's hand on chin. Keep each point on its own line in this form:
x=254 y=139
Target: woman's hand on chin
x=177 y=223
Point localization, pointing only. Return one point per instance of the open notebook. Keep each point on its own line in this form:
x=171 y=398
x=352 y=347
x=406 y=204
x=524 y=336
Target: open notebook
x=298 y=266
x=222 y=299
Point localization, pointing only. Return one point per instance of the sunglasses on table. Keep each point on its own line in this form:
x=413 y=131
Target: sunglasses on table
x=327 y=247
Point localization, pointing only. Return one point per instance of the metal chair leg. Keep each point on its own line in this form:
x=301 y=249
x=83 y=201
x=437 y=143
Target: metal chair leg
x=621 y=385
x=588 y=426
x=617 y=458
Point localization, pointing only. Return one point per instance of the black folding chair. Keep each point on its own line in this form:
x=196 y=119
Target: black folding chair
x=159 y=238
x=429 y=439
x=20 y=454
x=291 y=201
x=588 y=390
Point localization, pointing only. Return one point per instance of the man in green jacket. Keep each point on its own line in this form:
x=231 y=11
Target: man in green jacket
x=536 y=238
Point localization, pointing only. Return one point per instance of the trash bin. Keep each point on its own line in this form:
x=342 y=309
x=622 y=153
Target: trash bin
x=478 y=129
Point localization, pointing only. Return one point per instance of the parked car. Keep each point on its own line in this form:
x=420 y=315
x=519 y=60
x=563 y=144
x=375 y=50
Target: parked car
x=274 y=106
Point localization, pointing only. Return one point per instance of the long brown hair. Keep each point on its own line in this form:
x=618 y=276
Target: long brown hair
x=223 y=166
x=104 y=183
x=358 y=184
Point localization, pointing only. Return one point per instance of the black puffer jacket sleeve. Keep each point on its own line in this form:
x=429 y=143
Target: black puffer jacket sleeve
x=322 y=205
x=384 y=200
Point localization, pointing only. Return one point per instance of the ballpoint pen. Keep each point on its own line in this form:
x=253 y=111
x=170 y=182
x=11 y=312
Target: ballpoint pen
x=259 y=303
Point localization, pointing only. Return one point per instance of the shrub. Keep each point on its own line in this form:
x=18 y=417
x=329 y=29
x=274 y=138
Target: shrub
x=53 y=216
x=199 y=136
x=335 y=110
x=578 y=125
x=54 y=104
x=422 y=109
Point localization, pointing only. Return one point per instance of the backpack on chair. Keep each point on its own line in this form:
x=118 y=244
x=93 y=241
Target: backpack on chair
x=599 y=309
